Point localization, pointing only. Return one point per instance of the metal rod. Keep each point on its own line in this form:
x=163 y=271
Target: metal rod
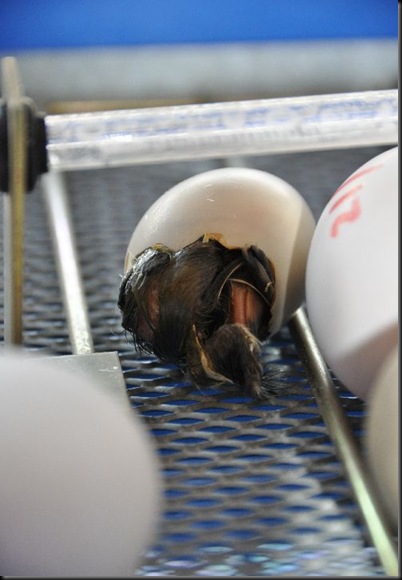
x=55 y=196
x=14 y=204
x=342 y=436
x=216 y=130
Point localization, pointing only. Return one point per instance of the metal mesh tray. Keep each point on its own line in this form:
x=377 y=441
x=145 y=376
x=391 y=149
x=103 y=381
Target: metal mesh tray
x=252 y=488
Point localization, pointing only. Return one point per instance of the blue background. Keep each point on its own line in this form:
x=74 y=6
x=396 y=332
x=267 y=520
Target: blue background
x=41 y=24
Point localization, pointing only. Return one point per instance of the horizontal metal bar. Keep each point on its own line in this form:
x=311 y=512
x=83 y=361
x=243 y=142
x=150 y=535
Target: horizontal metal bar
x=216 y=130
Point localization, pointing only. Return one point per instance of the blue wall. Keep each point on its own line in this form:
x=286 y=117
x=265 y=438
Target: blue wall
x=37 y=24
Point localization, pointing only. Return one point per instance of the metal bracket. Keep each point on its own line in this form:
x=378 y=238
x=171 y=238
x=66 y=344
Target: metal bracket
x=15 y=105
x=23 y=158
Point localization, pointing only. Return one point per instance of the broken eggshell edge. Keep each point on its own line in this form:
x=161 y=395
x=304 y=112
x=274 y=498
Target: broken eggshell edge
x=247 y=207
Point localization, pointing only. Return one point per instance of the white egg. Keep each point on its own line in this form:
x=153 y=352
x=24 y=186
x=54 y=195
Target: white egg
x=352 y=273
x=80 y=489
x=382 y=438
x=247 y=207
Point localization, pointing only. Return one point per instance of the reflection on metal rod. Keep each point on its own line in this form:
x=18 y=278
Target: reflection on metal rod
x=342 y=436
x=14 y=204
x=216 y=130
x=55 y=195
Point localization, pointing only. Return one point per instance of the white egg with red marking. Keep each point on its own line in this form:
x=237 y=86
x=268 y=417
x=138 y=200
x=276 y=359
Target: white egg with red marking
x=352 y=273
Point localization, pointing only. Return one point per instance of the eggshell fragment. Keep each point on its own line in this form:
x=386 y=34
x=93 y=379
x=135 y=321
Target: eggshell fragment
x=247 y=207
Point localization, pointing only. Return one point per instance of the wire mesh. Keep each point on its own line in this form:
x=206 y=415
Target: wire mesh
x=251 y=487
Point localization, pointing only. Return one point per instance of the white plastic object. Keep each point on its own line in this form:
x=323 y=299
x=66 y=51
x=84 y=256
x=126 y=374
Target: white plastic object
x=246 y=206
x=382 y=438
x=218 y=130
x=352 y=273
x=80 y=490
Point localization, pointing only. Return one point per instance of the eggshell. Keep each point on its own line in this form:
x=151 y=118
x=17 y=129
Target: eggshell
x=247 y=207
x=80 y=487
x=352 y=273
x=382 y=440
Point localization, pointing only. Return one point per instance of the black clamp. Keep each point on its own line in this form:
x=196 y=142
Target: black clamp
x=35 y=142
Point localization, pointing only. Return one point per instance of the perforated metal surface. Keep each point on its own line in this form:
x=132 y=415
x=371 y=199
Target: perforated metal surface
x=251 y=488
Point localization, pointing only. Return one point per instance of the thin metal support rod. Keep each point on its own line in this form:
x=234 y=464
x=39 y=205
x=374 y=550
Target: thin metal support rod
x=14 y=204
x=55 y=196
x=344 y=441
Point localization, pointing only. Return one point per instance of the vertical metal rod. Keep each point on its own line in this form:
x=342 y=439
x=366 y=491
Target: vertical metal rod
x=14 y=204
x=55 y=196
x=342 y=436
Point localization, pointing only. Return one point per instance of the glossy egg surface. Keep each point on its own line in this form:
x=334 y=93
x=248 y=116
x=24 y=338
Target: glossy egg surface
x=80 y=486
x=382 y=437
x=352 y=273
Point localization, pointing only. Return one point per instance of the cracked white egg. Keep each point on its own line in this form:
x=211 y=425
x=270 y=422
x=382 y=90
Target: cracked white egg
x=247 y=207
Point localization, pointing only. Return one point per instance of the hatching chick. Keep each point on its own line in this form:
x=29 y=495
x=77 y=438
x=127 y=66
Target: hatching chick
x=205 y=307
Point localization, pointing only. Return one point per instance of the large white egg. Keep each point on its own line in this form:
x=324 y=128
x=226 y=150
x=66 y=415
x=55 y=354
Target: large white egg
x=352 y=273
x=247 y=207
x=382 y=437
x=80 y=489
